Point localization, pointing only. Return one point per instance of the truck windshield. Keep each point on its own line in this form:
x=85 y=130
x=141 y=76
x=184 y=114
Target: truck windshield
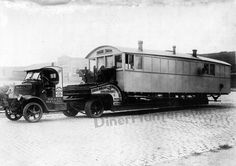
x=32 y=76
x=28 y=75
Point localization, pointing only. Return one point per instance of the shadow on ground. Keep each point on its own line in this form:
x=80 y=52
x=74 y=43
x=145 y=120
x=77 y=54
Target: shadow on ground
x=202 y=108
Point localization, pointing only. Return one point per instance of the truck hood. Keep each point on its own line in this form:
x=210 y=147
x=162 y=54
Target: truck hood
x=23 y=89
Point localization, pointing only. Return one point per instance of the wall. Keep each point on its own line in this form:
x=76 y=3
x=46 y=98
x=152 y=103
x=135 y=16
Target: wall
x=176 y=76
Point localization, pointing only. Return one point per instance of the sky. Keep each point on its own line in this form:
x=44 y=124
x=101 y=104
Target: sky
x=40 y=31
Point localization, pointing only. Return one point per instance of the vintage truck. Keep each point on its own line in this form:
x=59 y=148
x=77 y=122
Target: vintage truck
x=41 y=91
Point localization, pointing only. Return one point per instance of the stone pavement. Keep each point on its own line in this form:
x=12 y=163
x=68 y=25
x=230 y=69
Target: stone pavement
x=118 y=138
x=218 y=157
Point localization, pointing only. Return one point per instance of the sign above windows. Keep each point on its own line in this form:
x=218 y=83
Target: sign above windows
x=105 y=51
x=108 y=50
x=100 y=52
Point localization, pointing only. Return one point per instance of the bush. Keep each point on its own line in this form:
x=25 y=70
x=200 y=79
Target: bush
x=3 y=91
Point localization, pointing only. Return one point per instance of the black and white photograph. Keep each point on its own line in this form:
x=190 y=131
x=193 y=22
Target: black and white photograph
x=117 y=82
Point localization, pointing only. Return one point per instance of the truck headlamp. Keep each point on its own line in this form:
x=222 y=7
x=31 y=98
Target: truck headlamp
x=19 y=97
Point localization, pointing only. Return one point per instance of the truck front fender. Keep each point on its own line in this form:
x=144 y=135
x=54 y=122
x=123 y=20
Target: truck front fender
x=25 y=99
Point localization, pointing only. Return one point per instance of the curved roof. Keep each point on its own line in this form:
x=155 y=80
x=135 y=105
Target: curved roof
x=56 y=68
x=97 y=48
x=157 y=53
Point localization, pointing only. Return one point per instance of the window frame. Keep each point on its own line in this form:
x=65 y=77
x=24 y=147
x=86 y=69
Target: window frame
x=100 y=57
x=212 y=72
x=121 y=61
x=136 y=56
x=128 y=63
x=208 y=69
x=109 y=56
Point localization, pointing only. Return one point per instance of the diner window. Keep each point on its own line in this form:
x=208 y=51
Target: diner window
x=206 y=68
x=147 y=63
x=92 y=64
x=109 y=61
x=129 y=61
x=212 y=69
x=118 y=61
x=100 y=62
x=53 y=75
x=138 y=62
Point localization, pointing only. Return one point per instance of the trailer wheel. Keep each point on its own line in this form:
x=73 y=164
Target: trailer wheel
x=12 y=115
x=71 y=111
x=94 y=108
x=33 y=112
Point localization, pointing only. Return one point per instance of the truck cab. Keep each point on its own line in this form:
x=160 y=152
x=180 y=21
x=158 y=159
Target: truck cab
x=41 y=91
x=43 y=83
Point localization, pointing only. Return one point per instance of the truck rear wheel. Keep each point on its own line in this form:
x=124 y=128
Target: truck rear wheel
x=71 y=111
x=14 y=116
x=94 y=108
x=33 y=112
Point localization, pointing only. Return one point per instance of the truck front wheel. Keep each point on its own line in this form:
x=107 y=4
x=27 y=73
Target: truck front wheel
x=32 y=112
x=94 y=108
x=14 y=116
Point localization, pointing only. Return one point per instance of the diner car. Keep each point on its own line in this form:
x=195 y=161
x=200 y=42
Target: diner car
x=125 y=78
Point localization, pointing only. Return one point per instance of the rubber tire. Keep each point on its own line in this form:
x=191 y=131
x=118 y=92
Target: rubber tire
x=90 y=104
x=8 y=115
x=25 y=112
x=70 y=112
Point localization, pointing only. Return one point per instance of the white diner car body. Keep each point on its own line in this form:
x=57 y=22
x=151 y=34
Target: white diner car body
x=147 y=71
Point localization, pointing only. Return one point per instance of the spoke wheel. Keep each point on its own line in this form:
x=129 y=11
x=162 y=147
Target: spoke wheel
x=33 y=112
x=94 y=108
x=14 y=116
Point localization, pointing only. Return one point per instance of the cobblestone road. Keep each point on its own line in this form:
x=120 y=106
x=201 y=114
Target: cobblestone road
x=118 y=139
